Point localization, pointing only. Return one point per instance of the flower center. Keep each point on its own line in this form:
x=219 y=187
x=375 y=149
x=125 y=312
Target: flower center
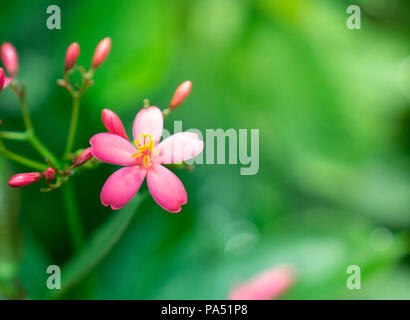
x=145 y=148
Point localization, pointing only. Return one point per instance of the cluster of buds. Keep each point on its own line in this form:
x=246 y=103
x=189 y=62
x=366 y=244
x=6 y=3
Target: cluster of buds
x=57 y=171
x=53 y=176
x=100 y=54
x=73 y=51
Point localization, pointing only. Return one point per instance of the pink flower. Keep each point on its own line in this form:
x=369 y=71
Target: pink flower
x=9 y=58
x=145 y=159
x=267 y=285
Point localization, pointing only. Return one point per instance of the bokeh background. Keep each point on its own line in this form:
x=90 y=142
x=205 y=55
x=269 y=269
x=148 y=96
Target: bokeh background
x=332 y=107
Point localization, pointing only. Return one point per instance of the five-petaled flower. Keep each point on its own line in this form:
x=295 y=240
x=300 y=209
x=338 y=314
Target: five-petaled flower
x=143 y=159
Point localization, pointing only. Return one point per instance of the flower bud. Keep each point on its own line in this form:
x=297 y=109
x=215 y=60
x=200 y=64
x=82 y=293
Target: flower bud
x=2 y=78
x=180 y=94
x=84 y=156
x=113 y=123
x=270 y=284
x=24 y=179
x=7 y=81
x=49 y=174
x=71 y=56
x=9 y=58
x=101 y=52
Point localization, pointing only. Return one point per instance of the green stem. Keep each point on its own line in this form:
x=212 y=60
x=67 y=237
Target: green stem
x=73 y=125
x=38 y=145
x=26 y=113
x=73 y=216
x=23 y=160
x=29 y=134
x=11 y=135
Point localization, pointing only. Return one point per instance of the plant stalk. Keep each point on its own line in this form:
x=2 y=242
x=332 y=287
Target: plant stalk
x=73 y=215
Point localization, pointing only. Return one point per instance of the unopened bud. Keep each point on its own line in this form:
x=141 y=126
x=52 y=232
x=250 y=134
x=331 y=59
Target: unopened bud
x=9 y=58
x=2 y=78
x=113 y=123
x=84 y=156
x=49 y=174
x=24 y=179
x=180 y=94
x=7 y=81
x=71 y=56
x=101 y=52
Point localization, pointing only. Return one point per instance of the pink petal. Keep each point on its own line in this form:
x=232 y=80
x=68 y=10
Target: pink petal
x=121 y=186
x=166 y=188
x=110 y=148
x=270 y=284
x=179 y=147
x=148 y=121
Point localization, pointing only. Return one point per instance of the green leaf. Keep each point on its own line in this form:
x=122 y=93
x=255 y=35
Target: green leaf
x=35 y=260
x=100 y=243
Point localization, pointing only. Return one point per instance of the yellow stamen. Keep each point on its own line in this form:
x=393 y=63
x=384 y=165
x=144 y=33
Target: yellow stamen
x=145 y=149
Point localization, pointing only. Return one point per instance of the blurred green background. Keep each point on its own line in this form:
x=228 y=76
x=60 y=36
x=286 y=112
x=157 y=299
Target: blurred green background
x=332 y=107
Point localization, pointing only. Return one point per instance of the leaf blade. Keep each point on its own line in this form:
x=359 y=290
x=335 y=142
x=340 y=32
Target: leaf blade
x=100 y=243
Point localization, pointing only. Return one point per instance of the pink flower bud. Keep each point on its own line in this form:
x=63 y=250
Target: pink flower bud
x=71 y=56
x=7 y=81
x=9 y=58
x=84 y=156
x=267 y=285
x=2 y=78
x=49 y=174
x=180 y=94
x=113 y=123
x=24 y=179
x=101 y=52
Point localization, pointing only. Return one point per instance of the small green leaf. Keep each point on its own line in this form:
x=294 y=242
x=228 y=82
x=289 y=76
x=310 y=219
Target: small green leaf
x=100 y=243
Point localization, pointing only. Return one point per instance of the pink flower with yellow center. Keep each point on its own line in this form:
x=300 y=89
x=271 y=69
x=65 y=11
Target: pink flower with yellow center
x=144 y=158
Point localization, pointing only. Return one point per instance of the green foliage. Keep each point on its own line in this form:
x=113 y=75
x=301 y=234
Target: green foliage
x=100 y=243
x=333 y=119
